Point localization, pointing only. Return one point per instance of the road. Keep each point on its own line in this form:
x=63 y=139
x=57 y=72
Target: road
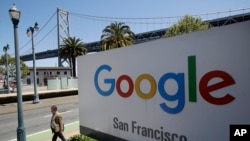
x=35 y=120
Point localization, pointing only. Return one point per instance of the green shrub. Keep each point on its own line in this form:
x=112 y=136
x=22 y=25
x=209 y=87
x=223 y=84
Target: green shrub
x=80 y=138
x=76 y=138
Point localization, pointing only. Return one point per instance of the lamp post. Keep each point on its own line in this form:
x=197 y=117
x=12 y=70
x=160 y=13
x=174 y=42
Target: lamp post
x=15 y=16
x=31 y=30
x=5 y=49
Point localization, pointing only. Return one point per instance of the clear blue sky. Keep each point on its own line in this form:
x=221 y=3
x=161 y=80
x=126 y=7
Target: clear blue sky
x=42 y=10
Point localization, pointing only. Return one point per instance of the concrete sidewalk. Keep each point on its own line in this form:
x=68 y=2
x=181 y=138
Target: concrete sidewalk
x=28 y=94
x=28 y=105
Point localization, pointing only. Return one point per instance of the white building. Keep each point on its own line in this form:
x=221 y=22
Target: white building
x=45 y=73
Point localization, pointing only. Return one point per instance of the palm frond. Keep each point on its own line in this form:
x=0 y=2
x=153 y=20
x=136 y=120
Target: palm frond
x=116 y=35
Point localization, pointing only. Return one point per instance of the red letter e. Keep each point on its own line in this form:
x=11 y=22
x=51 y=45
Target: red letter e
x=205 y=89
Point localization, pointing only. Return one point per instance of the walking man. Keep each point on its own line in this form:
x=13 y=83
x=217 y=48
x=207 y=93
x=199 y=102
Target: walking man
x=56 y=124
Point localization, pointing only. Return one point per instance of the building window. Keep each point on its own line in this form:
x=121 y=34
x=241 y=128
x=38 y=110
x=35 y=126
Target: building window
x=45 y=81
x=65 y=73
x=45 y=73
x=28 y=81
x=58 y=73
x=28 y=73
x=37 y=81
x=50 y=73
x=37 y=73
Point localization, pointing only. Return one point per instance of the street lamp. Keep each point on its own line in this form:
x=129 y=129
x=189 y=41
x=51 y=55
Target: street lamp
x=5 y=49
x=31 y=30
x=15 y=16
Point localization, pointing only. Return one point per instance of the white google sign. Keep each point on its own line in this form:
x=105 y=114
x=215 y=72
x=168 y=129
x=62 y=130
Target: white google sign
x=185 y=88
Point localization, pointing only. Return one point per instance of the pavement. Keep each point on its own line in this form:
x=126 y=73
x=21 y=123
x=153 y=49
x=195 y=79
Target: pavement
x=46 y=135
x=44 y=93
x=71 y=129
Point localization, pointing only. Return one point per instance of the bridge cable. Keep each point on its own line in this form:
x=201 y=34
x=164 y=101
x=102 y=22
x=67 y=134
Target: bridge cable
x=110 y=19
x=46 y=35
x=38 y=31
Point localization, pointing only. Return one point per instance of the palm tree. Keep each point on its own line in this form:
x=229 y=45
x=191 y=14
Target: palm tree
x=72 y=48
x=116 y=35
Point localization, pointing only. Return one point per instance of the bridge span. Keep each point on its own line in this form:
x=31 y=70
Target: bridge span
x=141 y=37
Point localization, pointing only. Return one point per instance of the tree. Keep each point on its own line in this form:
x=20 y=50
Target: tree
x=2 y=70
x=12 y=66
x=72 y=48
x=186 y=25
x=116 y=35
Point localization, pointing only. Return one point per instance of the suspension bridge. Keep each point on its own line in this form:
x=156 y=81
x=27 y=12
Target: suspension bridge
x=146 y=29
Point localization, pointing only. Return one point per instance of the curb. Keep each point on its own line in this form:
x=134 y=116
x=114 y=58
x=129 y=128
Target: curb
x=28 y=96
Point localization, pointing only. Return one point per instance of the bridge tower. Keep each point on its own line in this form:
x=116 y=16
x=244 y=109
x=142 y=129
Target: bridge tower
x=62 y=31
